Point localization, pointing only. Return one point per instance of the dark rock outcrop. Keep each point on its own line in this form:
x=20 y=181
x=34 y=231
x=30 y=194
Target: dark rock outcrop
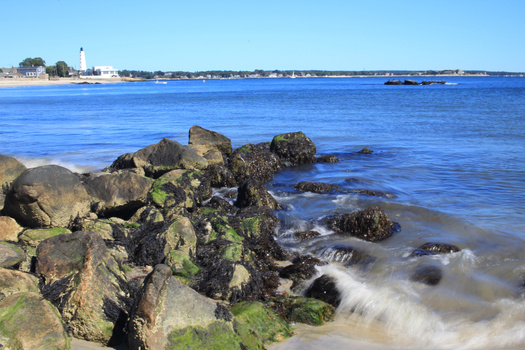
x=327 y=159
x=324 y=288
x=302 y=268
x=294 y=148
x=371 y=224
x=253 y=193
x=434 y=249
x=254 y=162
x=47 y=196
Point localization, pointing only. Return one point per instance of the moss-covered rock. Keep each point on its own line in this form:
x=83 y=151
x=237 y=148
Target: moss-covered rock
x=294 y=148
x=181 y=265
x=258 y=325
x=253 y=193
x=33 y=237
x=28 y=321
x=309 y=311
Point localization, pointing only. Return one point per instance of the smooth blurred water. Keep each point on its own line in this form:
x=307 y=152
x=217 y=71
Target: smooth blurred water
x=449 y=156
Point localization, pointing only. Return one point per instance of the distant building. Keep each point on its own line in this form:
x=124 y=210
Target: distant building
x=105 y=72
x=32 y=72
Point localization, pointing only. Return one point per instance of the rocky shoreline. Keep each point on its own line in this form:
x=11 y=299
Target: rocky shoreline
x=146 y=255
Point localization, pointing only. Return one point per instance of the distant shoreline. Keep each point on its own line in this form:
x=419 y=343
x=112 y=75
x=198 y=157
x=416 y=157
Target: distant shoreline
x=22 y=82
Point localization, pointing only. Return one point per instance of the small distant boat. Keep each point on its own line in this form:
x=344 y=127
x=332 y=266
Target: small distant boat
x=160 y=82
x=293 y=75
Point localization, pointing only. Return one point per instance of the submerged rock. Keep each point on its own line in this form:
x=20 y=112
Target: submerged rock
x=316 y=187
x=366 y=151
x=434 y=249
x=305 y=235
x=294 y=148
x=327 y=159
x=47 y=196
x=427 y=274
x=309 y=311
x=324 y=288
x=345 y=254
x=371 y=224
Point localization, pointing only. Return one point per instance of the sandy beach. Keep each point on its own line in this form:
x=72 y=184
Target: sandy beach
x=9 y=82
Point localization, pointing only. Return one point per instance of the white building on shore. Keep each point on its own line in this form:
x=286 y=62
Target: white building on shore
x=98 y=72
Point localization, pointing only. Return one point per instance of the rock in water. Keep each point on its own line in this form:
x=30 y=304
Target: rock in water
x=294 y=148
x=171 y=315
x=47 y=196
x=254 y=162
x=28 y=321
x=324 y=288
x=371 y=224
x=434 y=249
x=316 y=187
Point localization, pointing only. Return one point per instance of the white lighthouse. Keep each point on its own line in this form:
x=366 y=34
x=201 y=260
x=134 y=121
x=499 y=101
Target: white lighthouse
x=82 y=62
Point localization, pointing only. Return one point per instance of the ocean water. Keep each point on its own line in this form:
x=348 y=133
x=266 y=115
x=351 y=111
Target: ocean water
x=448 y=158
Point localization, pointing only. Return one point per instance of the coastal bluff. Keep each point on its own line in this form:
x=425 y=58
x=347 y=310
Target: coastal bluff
x=150 y=254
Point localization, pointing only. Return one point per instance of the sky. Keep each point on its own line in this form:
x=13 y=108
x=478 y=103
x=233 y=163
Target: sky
x=201 y=35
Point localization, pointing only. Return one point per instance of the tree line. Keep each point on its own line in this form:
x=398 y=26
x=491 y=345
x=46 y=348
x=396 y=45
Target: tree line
x=59 y=69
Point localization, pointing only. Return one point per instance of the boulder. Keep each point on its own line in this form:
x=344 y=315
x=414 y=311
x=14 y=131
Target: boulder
x=86 y=284
x=253 y=193
x=10 y=169
x=14 y=281
x=254 y=162
x=220 y=176
x=410 y=82
x=11 y=255
x=28 y=321
x=324 y=288
x=434 y=249
x=302 y=268
x=294 y=148
x=394 y=82
x=345 y=254
x=169 y=314
x=118 y=194
x=207 y=142
x=371 y=224
x=160 y=158
x=9 y=229
x=316 y=187
x=47 y=196
x=366 y=151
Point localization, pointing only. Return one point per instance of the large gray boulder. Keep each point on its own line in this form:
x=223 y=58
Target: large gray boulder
x=29 y=322
x=210 y=144
x=118 y=194
x=160 y=158
x=171 y=315
x=47 y=196
x=86 y=284
x=10 y=168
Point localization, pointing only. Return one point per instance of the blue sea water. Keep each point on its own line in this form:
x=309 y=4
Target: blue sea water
x=450 y=158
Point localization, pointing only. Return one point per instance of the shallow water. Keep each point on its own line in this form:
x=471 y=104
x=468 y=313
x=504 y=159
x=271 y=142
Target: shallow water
x=447 y=158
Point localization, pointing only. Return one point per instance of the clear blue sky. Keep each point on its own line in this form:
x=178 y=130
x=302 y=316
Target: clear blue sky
x=193 y=35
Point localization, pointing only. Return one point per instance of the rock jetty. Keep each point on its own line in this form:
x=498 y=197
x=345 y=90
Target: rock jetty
x=146 y=255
